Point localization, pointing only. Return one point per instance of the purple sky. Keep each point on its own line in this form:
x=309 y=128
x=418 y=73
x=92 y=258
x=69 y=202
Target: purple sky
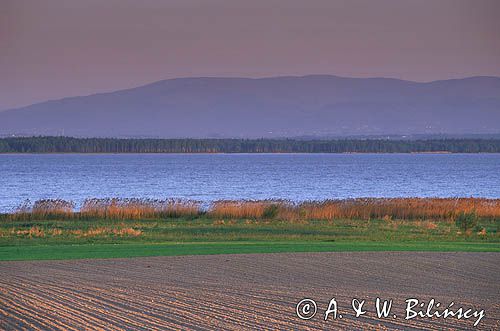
x=56 y=48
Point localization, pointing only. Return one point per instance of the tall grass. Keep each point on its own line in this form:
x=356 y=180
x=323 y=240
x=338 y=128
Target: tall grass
x=362 y=208
x=138 y=208
x=244 y=208
x=113 y=208
x=443 y=209
x=400 y=208
x=44 y=209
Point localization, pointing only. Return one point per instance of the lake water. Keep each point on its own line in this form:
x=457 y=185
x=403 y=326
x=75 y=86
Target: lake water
x=209 y=177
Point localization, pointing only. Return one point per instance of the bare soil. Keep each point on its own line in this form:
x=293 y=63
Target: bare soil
x=242 y=292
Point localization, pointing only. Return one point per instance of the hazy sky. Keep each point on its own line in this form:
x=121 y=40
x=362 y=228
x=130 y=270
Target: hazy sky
x=56 y=48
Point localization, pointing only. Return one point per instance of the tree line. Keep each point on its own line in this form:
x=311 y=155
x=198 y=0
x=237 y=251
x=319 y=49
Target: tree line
x=44 y=144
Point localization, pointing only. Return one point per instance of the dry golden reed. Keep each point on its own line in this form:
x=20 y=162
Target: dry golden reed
x=44 y=209
x=33 y=232
x=130 y=232
x=138 y=208
x=428 y=225
x=116 y=209
x=104 y=231
x=364 y=208
x=398 y=208
x=388 y=209
x=55 y=232
x=239 y=209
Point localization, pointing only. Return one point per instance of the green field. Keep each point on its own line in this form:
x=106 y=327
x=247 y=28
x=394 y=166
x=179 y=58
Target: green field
x=73 y=239
x=89 y=251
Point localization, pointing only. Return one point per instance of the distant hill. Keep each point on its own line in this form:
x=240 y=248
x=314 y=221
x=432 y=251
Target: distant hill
x=315 y=105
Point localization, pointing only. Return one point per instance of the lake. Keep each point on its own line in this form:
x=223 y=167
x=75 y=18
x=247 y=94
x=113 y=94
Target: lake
x=208 y=177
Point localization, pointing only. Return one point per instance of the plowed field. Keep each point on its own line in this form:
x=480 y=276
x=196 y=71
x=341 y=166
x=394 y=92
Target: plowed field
x=241 y=292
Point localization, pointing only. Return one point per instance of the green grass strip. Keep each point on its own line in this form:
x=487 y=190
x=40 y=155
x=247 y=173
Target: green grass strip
x=93 y=251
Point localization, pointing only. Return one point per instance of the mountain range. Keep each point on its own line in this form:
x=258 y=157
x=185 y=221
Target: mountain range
x=287 y=106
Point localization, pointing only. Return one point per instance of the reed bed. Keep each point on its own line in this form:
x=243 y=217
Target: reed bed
x=244 y=208
x=445 y=209
x=112 y=208
x=44 y=209
x=138 y=208
x=400 y=208
x=363 y=208
x=442 y=209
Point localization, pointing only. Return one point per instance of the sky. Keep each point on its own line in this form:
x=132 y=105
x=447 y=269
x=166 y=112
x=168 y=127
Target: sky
x=58 y=48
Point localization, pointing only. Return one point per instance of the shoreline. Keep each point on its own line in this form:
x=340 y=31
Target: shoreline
x=249 y=153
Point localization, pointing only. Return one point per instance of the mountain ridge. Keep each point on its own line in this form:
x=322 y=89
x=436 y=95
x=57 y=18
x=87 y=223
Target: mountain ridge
x=252 y=78
x=269 y=107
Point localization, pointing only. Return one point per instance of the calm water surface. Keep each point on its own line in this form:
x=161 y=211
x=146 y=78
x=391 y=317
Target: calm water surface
x=209 y=177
